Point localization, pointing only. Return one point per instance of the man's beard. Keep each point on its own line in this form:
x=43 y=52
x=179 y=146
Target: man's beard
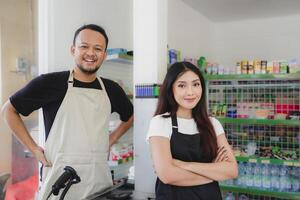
x=88 y=71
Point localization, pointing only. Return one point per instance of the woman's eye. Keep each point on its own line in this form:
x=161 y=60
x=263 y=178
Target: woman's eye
x=181 y=85
x=197 y=84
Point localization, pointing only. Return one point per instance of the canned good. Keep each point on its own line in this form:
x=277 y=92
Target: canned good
x=269 y=67
x=238 y=68
x=244 y=66
x=264 y=66
x=283 y=67
x=250 y=67
x=257 y=66
x=276 y=67
x=172 y=56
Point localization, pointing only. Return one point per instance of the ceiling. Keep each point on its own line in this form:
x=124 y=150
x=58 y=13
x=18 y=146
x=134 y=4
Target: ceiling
x=233 y=10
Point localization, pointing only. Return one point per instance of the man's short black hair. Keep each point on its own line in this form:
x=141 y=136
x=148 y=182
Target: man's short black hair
x=93 y=27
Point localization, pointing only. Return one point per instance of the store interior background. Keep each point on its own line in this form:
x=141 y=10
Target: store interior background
x=224 y=31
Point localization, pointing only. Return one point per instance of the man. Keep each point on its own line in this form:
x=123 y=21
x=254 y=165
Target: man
x=76 y=107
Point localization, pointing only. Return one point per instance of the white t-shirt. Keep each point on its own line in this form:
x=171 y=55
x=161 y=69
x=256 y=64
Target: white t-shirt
x=160 y=126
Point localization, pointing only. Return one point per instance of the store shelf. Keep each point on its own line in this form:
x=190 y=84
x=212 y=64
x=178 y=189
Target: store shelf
x=259 y=121
x=120 y=58
x=268 y=161
x=128 y=160
x=284 y=145
x=254 y=191
x=120 y=170
x=251 y=76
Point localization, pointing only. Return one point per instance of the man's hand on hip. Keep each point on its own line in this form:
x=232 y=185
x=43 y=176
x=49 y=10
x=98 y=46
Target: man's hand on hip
x=38 y=153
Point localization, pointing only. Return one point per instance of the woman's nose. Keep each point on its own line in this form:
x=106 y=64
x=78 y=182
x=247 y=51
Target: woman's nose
x=190 y=90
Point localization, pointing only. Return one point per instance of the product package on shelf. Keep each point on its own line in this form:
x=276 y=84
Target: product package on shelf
x=120 y=154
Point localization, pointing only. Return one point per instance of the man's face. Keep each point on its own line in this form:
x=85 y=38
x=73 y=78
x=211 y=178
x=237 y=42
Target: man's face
x=89 y=51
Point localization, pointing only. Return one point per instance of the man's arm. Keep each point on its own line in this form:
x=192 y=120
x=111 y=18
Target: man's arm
x=18 y=127
x=120 y=130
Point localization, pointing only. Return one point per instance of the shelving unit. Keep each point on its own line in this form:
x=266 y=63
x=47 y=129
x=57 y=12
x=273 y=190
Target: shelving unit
x=118 y=67
x=120 y=58
x=253 y=111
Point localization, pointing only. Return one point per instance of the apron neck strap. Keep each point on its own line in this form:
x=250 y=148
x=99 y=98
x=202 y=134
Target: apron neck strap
x=174 y=124
x=71 y=78
x=101 y=83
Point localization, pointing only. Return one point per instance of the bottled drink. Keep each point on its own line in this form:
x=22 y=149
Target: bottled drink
x=241 y=178
x=257 y=175
x=229 y=196
x=288 y=184
x=295 y=179
x=249 y=175
x=282 y=178
x=275 y=178
x=266 y=179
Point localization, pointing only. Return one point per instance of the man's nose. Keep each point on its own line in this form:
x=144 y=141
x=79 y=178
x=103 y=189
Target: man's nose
x=90 y=51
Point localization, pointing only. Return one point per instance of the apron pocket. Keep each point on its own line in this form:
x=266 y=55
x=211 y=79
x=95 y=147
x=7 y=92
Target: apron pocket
x=92 y=169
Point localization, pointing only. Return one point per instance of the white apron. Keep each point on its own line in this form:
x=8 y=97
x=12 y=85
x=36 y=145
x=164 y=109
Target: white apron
x=79 y=138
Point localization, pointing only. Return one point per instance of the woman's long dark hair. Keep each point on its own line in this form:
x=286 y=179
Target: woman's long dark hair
x=167 y=103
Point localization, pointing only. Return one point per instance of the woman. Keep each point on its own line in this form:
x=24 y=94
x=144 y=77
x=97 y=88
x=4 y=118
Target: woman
x=189 y=149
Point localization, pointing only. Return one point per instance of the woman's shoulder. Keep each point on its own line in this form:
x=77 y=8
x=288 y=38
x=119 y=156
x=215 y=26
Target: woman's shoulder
x=160 y=125
x=161 y=118
x=217 y=125
x=213 y=119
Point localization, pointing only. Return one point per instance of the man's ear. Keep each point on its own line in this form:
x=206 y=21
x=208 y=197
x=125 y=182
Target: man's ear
x=72 y=50
x=105 y=55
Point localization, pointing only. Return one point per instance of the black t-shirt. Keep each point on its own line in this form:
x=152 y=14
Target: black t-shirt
x=47 y=91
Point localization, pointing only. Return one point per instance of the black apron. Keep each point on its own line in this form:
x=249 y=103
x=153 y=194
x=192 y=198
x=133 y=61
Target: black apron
x=187 y=148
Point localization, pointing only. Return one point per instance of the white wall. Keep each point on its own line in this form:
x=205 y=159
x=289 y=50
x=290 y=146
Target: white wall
x=16 y=41
x=188 y=30
x=271 y=39
x=115 y=16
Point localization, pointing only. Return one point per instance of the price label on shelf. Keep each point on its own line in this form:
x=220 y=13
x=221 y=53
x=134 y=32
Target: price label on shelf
x=265 y=161
x=297 y=164
x=252 y=160
x=288 y=163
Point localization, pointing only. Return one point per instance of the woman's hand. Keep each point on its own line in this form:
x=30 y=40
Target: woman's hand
x=222 y=155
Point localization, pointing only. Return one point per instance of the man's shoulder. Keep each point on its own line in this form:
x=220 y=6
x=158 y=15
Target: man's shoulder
x=111 y=86
x=56 y=75
x=54 y=78
x=109 y=82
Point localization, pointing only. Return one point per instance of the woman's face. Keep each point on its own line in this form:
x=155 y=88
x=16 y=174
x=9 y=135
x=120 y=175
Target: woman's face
x=187 y=92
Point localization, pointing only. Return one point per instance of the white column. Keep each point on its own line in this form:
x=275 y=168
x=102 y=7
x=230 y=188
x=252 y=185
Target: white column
x=150 y=40
x=150 y=64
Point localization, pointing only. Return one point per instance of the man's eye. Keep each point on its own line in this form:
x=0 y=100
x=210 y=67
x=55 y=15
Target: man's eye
x=83 y=47
x=99 y=49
